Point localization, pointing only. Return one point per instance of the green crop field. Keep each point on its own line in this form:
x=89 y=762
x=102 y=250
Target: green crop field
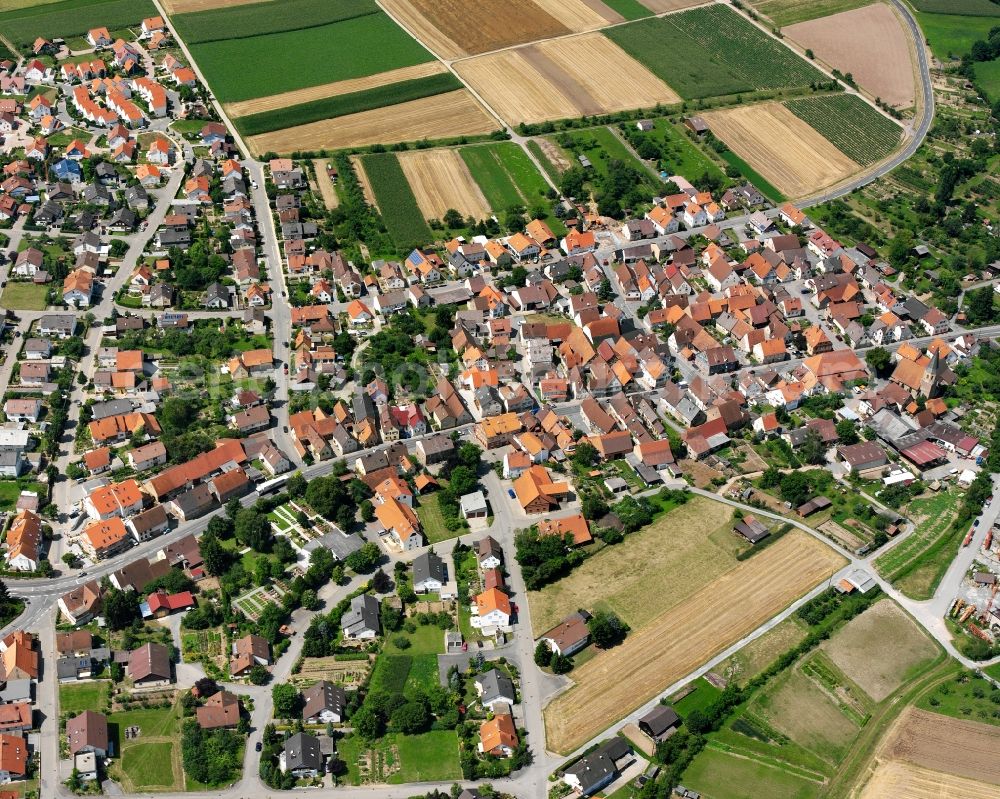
x=69 y=17
x=788 y=12
x=850 y=124
x=630 y=9
x=713 y=51
x=259 y=66
x=505 y=174
x=398 y=206
x=751 y=174
x=972 y=8
x=988 y=78
x=343 y=104
x=951 y=35
x=257 y=19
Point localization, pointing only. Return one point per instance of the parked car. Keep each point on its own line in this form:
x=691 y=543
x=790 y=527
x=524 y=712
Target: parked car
x=511 y=494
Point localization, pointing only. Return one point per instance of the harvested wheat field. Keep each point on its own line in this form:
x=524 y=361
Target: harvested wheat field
x=868 y=42
x=326 y=187
x=900 y=643
x=941 y=743
x=298 y=96
x=563 y=78
x=456 y=28
x=694 y=538
x=581 y=15
x=679 y=640
x=440 y=180
x=904 y=781
x=188 y=6
x=366 y=184
x=439 y=117
x=790 y=154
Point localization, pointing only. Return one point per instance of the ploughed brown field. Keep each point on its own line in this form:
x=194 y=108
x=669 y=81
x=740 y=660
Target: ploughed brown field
x=457 y=28
x=567 y=77
x=442 y=116
x=941 y=743
x=298 y=96
x=440 y=180
x=870 y=43
x=790 y=154
x=684 y=636
x=895 y=780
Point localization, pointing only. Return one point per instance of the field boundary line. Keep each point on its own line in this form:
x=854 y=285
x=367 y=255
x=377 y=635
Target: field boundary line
x=742 y=754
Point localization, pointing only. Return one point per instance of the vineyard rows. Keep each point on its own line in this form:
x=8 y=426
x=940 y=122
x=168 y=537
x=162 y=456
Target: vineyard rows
x=850 y=124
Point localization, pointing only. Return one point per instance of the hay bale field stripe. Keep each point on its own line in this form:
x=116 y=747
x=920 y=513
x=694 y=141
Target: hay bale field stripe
x=441 y=181
x=343 y=104
x=850 y=124
x=400 y=212
x=300 y=96
x=443 y=116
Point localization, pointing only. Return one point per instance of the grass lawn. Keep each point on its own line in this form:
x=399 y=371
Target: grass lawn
x=351 y=48
x=427 y=639
x=149 y=765
x=686 y=158
x=10 y=490
x=430 y=757
x=701 y=697
x=988 y=78
x=623 y=577
x=76 y=697
x=952 y=35
x=432 y=520
x=423 y=674
x=24 y=296
x=153 y=722
x=723 y=776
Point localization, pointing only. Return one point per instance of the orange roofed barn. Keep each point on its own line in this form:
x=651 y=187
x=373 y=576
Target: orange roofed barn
x=536 y=492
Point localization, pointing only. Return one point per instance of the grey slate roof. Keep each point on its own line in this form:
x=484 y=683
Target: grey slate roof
x=429 y=566
x=363 y=615
x=302 y=751
x=495 y=685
